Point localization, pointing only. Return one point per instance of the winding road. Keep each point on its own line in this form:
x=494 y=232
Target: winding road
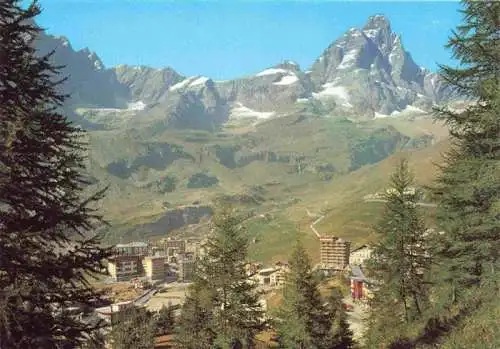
x=314 y=229
x=313 y=224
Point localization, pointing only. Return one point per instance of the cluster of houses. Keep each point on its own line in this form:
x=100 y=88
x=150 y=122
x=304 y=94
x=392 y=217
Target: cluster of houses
x=273 y=276
x=336 y=256
x=175 y=258
x=171 y=257
x=167 y=257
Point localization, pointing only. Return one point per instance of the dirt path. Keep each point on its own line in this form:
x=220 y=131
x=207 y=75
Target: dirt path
x=312 y=215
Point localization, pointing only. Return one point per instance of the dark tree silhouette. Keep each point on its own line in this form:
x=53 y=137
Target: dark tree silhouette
x=47 y=248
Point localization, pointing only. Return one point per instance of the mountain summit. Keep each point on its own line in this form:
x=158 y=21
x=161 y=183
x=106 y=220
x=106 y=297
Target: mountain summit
x=366 y=73
x=369 y=70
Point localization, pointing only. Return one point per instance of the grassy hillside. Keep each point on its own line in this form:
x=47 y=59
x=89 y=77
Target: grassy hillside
x=348 y=215
x=292 y=164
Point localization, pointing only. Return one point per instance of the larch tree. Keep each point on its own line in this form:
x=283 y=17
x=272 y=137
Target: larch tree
x=468 y=186
x=47 y=245
x=165 y=320
x=133 y=328
x=401 y=260
x=303 y=321
x=342 y=333
x=193 y=330
x=223 y=289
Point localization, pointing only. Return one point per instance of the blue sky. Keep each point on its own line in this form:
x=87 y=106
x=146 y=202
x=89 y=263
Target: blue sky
x=228 y=39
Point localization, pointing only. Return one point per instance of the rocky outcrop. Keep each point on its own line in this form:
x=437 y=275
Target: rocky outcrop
x=88 y=83
x=156 y=156
x=380 y=144
x=272 y=89
x=146 y=84
x=176 y=218
x=238 y=156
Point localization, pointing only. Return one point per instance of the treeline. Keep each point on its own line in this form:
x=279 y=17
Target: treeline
x=439 y=288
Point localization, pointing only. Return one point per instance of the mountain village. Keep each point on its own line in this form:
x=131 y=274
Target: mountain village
x=144 y=208
x=161 y=271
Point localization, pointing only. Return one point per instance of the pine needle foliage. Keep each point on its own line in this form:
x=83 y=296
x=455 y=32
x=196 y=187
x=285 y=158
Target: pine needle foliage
x=224 y=301
x=305 y=320
x=133 y=328
x=468 y=187
x=47 y=244
x=401 y=259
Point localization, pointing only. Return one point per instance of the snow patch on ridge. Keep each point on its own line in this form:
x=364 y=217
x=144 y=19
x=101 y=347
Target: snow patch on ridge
x=199 y=81
x=139 y=105
x=371 y=33
x=272 y=71
x=337 y=91
x=348 y=59
x=381 y=116
x=189 y=82
x=303 y=100
x=182 y=84
x=240 y=111
x=287 y=80
x=409 y=109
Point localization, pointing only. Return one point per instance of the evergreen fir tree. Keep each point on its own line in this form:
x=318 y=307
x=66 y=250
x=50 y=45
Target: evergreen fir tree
x=303 y=321
x=468 y=187
x=194 y=326
x=97 y=341
x=46 y=252
x=342 y=333
x=400 y=261
x=234 y=312
x=133 y=328
x=165 y=320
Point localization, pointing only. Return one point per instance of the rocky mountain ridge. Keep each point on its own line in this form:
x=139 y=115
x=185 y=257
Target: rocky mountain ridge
x=368 y=69
x=365 y=73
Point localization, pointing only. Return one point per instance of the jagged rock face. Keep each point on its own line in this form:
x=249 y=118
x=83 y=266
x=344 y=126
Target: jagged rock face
x=177 y=218
x=269 y=90
x=368 y=70
x=193 y=103
x=199 y=105
x=147 y=84
x=88 y=83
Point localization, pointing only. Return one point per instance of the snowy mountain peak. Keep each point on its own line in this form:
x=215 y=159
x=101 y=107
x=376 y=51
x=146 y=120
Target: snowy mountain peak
x=374 y=67
x=365 y=71
x=353 y=33
x=377 y=22
x=191 y=82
